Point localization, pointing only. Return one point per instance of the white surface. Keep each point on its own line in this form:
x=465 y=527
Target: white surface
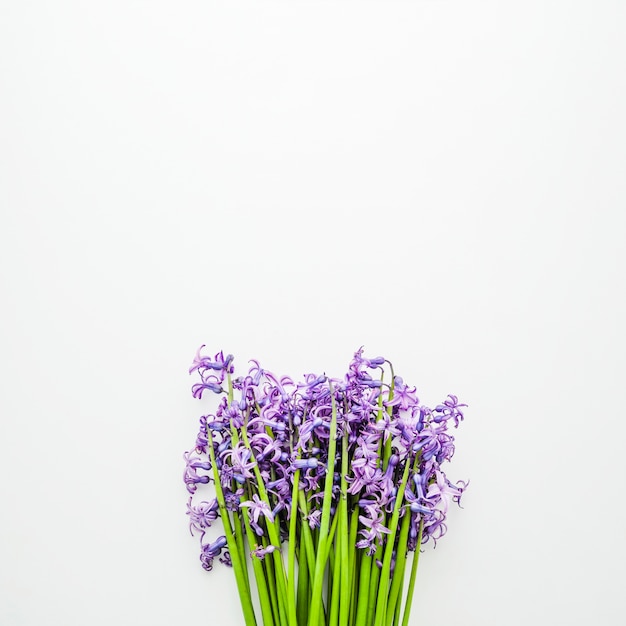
x=440 y=181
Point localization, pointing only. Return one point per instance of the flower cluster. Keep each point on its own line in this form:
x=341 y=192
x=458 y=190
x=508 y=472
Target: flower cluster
x=294 y=462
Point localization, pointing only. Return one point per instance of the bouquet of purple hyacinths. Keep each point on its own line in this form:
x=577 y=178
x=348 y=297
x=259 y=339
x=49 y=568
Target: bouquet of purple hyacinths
x=324 y=487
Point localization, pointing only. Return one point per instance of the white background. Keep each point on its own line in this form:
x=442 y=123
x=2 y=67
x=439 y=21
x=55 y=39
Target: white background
x=442 y=182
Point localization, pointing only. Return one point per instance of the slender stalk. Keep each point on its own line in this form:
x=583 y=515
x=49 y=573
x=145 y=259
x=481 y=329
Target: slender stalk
x=373 y=590
x=410 y=590
x=343 y=538
x=278 y=611
x=398 y=611
x=261 y=581
x=274 y=535
x=304 y=590
x=331 y=536
x=389 y=412
x=239 y=568
x=307 y=536
x=383 y=588
x=320 y=564
x=364 y=588
x=398 y=573
x=238 y=532
x=354 y=585
x=339 y=566
x=309 y=545
x=291 y=557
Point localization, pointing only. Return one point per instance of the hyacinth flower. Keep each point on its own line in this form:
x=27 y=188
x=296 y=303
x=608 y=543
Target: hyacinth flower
x=328 y=487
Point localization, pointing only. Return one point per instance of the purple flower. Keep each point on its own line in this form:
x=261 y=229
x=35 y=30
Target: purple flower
x=191 y=476
x=450 y=409
x=212 y=550
x=312 y=426
x=210 y=383
x=417 y=504
x=201 y=440
x=267 y=447
x=203 y=363
x=314 y=518
x=240 y=462
x=257 y=507
x=387 y=481
x=387 y=426
x=375 y=362
x=442 y=491
x=402 y=395
x=373 y=531
x=202 y=515
x=261 y=552
x=232 y=498
x=310 y=382
x=311 y=463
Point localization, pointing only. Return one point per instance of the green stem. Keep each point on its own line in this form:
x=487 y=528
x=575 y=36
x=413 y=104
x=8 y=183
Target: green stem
x=398 y=573
x=398 y=611
x=308 y=538
x=309 y=546
x=238 y=532
x=383 y=588
x=239 y=568
x=279 y=614
x=320 y=565
x=364 y=587
x=346 y=569
x=291 y=557
x=354 y=585
x=373 y=590
x=304 y=590
x=339 y=567
x=409 y=595
x=331 y=536
x=261 y=581
x=274 y=535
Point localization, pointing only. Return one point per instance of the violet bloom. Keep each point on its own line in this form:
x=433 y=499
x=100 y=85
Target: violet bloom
x=239 y=457
x=375 y=362
x=280 y=487
x=232 y=498
x=202 y=440
x=450 y=409
x=387 y=426
x=219 y=363
x=260 y=552
x=210 y=383
x=202 y=515
x=191 y=476
x=257 y=507
x=310 y=382
x=280 y=384
x=373 y=532
x=434 y=528
x=387 y=483
x=200 y=362
x=417 y=505
x=402 y=395
x=268 y=416
x=314 y=518
x=311 y=426
x=211 y=551
x=442 y=491
x=311 y=463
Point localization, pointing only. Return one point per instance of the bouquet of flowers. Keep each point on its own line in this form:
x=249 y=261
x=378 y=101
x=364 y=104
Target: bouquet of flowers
x=324 y=487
